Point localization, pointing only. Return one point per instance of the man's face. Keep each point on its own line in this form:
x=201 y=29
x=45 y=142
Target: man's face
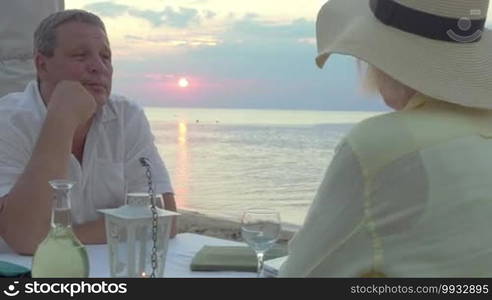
x=82 y=54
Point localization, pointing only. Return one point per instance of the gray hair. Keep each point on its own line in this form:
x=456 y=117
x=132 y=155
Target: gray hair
x=45 y=34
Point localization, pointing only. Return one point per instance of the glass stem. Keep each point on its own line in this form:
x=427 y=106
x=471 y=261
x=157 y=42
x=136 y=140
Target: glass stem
x=260 y=256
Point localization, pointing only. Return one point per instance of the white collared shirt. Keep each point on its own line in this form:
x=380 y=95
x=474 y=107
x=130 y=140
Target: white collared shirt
x=120 y=134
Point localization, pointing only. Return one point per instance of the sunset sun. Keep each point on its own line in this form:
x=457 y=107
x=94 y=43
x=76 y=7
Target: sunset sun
x=183 y=82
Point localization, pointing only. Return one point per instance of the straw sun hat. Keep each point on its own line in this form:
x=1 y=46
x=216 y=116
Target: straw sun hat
x=440 y=48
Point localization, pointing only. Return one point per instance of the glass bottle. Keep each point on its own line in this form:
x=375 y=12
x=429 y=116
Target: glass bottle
x=60 y=254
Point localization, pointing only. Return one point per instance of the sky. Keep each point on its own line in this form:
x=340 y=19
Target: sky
x=255 y=54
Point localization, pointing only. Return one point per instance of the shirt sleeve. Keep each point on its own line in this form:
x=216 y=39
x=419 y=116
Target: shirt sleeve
x=336 y=211
x=14 y=156
x=140 y=144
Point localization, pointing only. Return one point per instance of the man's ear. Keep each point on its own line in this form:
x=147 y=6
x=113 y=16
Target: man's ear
x=40 y=62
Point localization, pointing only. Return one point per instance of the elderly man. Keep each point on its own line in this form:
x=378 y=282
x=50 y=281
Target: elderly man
x=66 y=125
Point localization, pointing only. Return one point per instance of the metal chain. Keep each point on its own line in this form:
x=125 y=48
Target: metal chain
x=148 y=173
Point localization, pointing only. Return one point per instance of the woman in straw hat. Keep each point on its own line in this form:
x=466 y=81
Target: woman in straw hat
x=408 y=193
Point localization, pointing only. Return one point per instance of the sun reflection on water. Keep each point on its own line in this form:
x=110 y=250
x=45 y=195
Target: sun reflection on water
x=182 y=176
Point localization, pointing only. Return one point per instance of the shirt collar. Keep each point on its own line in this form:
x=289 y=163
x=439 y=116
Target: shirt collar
x=416 y=101
x=33 y=89
x=419 y=100
x=108 y=111
x=480 y=117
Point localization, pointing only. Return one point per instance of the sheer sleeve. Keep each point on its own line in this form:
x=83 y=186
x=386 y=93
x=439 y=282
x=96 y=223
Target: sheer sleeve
x=335 y=214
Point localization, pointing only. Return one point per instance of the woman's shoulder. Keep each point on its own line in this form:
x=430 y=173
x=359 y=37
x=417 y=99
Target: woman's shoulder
x=434 y=122
x=380 y=140
x=381 y=127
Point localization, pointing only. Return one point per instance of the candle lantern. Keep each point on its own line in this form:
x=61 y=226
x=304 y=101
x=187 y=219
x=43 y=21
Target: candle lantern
x=137 y=235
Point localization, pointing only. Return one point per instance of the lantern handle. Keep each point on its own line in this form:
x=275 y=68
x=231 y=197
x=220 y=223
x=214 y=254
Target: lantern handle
x=145 y=162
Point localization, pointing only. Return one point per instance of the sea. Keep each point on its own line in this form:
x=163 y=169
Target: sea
x=224 y=161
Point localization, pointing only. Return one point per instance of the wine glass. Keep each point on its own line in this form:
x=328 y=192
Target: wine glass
x=260 y=228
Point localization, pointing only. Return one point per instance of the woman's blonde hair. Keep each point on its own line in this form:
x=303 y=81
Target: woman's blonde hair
x=373 y=78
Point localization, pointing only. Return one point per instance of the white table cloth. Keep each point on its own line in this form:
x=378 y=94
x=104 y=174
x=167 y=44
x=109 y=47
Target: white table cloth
x=181 y=250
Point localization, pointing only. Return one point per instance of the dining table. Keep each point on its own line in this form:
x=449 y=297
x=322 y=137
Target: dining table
x=181 y=250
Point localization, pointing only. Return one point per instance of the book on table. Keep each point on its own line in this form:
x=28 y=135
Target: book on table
x=272 y=266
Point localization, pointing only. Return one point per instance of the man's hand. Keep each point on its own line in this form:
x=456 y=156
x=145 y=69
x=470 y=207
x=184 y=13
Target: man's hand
x=71 y=102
